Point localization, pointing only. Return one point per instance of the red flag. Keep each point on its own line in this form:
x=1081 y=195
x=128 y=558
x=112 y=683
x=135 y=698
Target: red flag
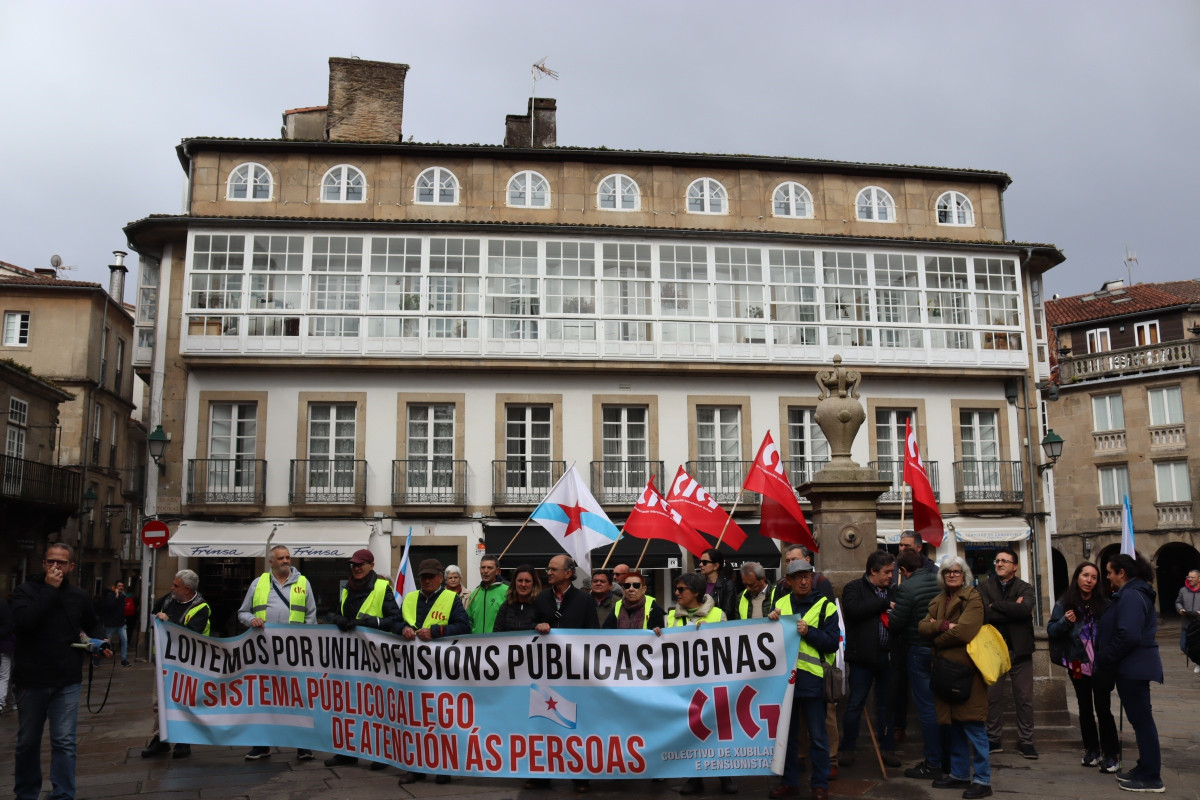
x=653 y=518
x=767 y=477
x=927 y=520
x=703 y=513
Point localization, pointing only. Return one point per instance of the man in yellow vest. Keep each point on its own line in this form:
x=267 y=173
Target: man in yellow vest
x=817 y=623
x=367 y=600
x=431 y=612
x=280 y=596
x=183 y=605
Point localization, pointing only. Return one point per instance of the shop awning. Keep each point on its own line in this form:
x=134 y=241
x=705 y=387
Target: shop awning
x=304 y=538
x=971 y=530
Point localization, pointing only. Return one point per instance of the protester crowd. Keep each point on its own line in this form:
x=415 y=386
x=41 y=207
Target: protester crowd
x=907 y=628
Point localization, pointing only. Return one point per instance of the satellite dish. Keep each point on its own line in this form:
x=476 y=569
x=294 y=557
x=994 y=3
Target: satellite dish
x=55 y=261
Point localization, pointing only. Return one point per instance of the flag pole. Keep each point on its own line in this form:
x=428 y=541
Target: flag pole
x=614 y=547
x=527 y=519
x=638 y=566
x=729 y=519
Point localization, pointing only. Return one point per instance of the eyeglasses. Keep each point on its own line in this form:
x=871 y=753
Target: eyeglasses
x=1004 y=561
x=953 y=572
x=356 y=565
x=54 y=562
x=631 y=585
x=680 y=589
x=704 y=561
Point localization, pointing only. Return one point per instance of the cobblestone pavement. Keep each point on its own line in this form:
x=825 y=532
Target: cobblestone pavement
x=110 y=764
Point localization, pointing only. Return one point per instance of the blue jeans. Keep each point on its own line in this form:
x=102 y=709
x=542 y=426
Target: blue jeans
x=862 y=676
x=963 y=737
x=809 y=711
x=61 y=708
x=920 y=660
x=1135 y=695
x=115 y=634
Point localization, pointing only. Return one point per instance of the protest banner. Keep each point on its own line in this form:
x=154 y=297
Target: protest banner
x=617 y=704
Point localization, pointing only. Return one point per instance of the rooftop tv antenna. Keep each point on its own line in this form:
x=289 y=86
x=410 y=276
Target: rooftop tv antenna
x=539 y=70
x=1130 y=260
x=56 y=263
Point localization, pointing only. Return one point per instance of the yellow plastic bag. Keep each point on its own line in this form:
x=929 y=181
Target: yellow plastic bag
x=990 y=654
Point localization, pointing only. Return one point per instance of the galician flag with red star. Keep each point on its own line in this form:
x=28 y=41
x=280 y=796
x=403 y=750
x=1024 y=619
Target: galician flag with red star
x=575 y=519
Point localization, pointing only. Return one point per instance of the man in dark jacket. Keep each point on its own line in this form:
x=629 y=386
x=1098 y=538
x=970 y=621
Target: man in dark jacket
x=562 y=605
x=819 y=635
x=183 y=605
x=431 y=612
x=49 y=614
x=912 y=597
x=1008 y=605
x=1128 y=647
x=112 y=615
x=865 y=606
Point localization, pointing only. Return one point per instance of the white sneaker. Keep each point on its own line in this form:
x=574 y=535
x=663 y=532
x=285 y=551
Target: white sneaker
x=1197 y=669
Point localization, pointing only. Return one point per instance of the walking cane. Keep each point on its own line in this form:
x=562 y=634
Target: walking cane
x=875 y=743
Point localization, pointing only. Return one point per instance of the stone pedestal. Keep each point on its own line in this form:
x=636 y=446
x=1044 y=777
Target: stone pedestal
x=844 y=520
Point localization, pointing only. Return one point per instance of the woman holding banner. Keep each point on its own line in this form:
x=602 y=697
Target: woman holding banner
x=517 y=614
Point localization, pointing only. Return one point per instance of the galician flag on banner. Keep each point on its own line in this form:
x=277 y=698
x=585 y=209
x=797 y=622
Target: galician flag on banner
x=697 y=507
x=404 y=579
x=654 y=518
x=548 y=704
x=927 y=519
x=782 y=517
x=575 y=519
x=1127 y=527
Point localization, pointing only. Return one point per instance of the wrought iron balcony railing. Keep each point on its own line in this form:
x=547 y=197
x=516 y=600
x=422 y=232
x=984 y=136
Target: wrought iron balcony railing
x=893 y=471
x=723 y=480
x=518 y=481
x=35 y=482
x=979 y=481
x=315 y=481
x=429 y=481
x=801 y=470
x=226 y=481
x=621 y=482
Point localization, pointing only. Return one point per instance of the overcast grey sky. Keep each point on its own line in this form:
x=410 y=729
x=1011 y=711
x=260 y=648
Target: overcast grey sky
x=1091 y=107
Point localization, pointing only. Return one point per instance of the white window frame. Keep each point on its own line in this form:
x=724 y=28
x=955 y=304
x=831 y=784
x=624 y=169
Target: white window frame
x=1146 y=333
x=792 y=195
x=343 y=177
x=525 y=183
x=710 y=194
x=431 y=430
x=1113 y=482
x=339 y=475
x=1173 y=476
x=528 y=445
x=618 y=187
x=1108 y=415
x=877 y=203
x=1163 y=411
x=438 y=180
x=16 y=328
x=252 y=176
x=956 y=209
x=1099 y=340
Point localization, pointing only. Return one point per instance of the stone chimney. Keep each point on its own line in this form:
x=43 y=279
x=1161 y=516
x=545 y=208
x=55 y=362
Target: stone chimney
x=366 y=100
x=537 y=128
x=116 y=277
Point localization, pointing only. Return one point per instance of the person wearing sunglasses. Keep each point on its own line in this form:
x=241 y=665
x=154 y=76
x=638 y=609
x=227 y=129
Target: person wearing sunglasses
x=49 y=612
x=722 y=590
x=758 y=597
x=692 y=603
x=635 y=610
x=1008 y=604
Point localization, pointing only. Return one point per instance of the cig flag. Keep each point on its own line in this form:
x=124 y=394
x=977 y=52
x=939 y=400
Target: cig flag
x=655 y=518
x=701 y=511
x=1127 y=527
x=927 y=519
x=404 y=579
x=781 y=515
x=575 y=519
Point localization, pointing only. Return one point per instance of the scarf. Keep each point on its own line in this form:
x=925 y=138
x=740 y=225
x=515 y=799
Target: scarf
x=364 y=585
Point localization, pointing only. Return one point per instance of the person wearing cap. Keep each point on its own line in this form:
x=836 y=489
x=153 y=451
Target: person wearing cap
x=279 y=596
x=818 y=628
x=367 y=600
x=431 y=612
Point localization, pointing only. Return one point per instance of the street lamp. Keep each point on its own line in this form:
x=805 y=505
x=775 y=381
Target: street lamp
x=87 y=502
x=157 y=442
x=1052 y=444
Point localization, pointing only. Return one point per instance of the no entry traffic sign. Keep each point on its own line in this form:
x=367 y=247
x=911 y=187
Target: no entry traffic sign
x=154 y=534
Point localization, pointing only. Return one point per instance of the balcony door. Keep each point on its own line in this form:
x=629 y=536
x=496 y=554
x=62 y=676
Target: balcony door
x=527 y=443
x=430 y=473
x=719 y=448
x=232 y=446
x=980 y=453
x=625 y=440
x=331 y=452
x=889 y=443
